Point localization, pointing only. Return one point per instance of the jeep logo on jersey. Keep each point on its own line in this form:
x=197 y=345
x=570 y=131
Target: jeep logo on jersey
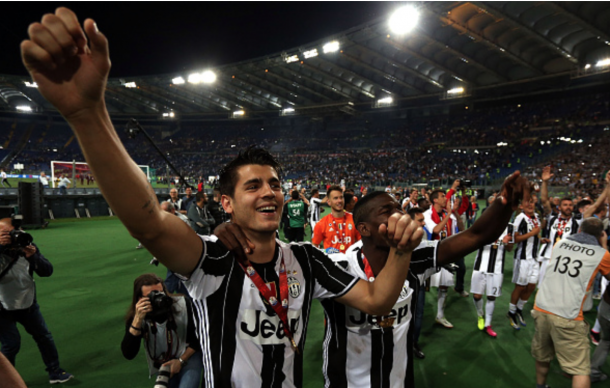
x=294 y=287
x=265 y=329
x=359 y=321
x=347 y=240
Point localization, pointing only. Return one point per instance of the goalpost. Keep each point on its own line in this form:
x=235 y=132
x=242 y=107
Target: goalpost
x=75 y=170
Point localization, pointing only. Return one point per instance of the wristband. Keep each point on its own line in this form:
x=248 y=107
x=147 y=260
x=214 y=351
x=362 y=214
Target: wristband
x=182 y=361
x=135 y=328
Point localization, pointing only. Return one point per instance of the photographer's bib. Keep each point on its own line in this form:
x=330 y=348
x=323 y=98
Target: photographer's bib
x=568 y=275
x=17 y=287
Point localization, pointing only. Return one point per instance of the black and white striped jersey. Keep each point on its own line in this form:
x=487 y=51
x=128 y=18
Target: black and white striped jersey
x=242 y=338
x=490 y=258
x=364 y=351
x=527 y=249
x=315 y=209
x=556 y=229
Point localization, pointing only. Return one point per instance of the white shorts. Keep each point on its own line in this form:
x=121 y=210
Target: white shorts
x=442 y=278
x=526 y=272
x=484 y=283
x=313 y=226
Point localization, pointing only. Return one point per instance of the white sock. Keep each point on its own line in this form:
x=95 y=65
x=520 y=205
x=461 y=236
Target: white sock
x=479 y=306
x=489 y=311
x=597 y=327
x=521 y=303
x=512 y=308
x=442 y=295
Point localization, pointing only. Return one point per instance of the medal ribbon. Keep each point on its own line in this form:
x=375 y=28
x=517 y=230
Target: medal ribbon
x=533 y=220
x=368 y=271
x=562 y=225
x=281 y=309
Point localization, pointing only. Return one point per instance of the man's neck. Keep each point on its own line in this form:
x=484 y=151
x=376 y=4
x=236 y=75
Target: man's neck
x=337 y=214
x=376 y=256
x=438 y=208
x=264 y=246
x=565 y=216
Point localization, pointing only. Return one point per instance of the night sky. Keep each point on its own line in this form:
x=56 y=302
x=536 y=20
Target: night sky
x=162 y=37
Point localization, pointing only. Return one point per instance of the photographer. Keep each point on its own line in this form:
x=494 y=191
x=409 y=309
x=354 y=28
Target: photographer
x=19 y=259
x=166 y=325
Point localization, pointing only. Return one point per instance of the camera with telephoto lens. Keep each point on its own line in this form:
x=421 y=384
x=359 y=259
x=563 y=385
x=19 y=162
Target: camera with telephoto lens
x=465 y=183
x=161 y=304
x=20 y=239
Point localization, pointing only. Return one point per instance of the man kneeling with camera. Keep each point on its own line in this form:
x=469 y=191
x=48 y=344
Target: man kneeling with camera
x=19 y=259
x=165 y=323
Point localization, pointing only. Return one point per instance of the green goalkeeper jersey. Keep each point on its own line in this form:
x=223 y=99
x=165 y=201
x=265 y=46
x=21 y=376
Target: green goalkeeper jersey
x=296 y=214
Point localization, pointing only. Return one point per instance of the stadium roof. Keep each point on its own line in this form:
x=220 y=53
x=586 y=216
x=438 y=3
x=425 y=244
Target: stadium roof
x=457 y=49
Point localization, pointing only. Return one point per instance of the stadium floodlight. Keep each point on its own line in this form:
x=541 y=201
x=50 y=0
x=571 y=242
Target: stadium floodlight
x=130 y=85
x=239 y=113
x=384 y=101
x=331 y=47
x=292 y=58
x=459 y=90
x=603 y=62
x=194 y=78
x=404 y=19
x=310 y=53
x=31 y=84
x=587 y=66
x=178 y=81
x=208 y=77
x=24 y=108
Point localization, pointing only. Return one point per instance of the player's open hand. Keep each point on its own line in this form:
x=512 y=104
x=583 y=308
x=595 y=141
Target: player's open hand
x=401 y=232
x=70 y=74
x=515 y=190
x=546 y=173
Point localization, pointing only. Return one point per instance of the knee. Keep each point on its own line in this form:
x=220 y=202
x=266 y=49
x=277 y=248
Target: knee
x=10 y=348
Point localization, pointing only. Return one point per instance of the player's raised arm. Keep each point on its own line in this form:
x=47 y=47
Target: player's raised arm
x=490 y=225
x=71 y=74
x=403 y=235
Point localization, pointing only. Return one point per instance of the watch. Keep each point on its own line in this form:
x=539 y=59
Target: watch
x=182 y=362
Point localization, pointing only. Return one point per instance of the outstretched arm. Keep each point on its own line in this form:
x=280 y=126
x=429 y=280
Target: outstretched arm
x=72 y=74
x=601 y=199
x=490 y=225
x=544 y=190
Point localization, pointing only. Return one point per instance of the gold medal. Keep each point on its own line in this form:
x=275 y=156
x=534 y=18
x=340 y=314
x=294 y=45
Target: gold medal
x=557 y=239
x=388 y=322
x=342 y=247
x=294 y=346
x=495 y=246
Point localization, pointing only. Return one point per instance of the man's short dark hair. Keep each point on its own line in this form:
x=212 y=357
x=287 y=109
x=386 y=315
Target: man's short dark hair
x=294 y=194
x=565 y=199
x=435 y=194
x=348 y=197
x=351 y=191
x=314 y=192
x=362 y=210
x=334 y=188
x=228 y=174
x=593 y=226
x=414 y=211
x=421 y=202
x=199 y=196
x=583 y=203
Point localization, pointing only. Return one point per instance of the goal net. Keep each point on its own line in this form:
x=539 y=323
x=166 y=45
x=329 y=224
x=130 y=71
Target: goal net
x=80 y=174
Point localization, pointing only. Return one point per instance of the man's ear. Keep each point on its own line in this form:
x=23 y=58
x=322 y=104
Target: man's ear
x=363 y=229
x=227 y=203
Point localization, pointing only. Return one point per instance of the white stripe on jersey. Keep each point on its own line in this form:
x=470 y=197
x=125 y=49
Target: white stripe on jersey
x=490 y=259
x=315 y=210
x=526 y=249
x=355 y=346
